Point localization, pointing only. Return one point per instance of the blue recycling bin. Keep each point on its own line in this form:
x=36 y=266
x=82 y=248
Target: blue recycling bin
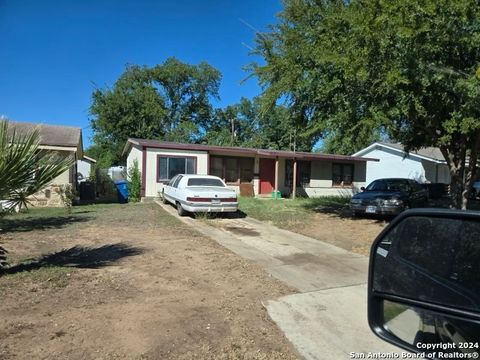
x=122 y=191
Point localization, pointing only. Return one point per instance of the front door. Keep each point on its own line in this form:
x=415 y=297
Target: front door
x=267 y=175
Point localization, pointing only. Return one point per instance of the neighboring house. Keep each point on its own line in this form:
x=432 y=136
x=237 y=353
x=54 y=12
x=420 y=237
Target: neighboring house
x=264 y=170
x=84 y=167
x=426 y=165
x=62 y=141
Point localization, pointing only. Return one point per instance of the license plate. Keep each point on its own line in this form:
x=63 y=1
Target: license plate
x=371 y=209
x=215 y=201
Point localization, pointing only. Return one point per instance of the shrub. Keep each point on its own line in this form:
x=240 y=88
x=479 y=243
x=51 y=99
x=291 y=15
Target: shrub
x=67 y=196
x=134 y=182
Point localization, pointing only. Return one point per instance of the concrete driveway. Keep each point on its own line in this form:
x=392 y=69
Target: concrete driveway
x=327 y=319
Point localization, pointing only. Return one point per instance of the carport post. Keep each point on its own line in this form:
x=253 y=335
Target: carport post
x=294 y=184
x=276 y=177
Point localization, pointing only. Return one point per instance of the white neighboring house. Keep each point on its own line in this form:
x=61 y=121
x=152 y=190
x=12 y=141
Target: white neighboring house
x=84 y=168
x=426 y=165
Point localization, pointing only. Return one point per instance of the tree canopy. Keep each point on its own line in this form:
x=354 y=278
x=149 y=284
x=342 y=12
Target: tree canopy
x=172 y=102
x=246 y=124
x=169 y=101
x=355 y=70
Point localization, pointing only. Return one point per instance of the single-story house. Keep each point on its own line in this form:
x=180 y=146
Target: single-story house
x=63 y=141
x=426 y=165
x=316 y=174
x=84 y=167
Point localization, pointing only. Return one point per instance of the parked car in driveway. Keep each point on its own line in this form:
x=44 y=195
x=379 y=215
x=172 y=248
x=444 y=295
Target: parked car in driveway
x=389 y=197
x=199 y=193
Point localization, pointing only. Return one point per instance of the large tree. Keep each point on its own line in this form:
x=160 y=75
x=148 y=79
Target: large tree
x=169 y=101
x=409 y=69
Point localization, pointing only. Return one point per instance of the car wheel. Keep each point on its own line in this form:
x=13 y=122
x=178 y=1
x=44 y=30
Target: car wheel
x=180 y=210
x=164 y=200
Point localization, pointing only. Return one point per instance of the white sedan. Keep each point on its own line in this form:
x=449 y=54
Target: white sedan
x=199 y=193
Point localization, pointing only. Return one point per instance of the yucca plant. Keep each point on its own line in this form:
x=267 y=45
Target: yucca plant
x=24 y=168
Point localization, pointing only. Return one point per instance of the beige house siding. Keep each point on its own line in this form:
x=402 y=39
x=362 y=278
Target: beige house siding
x=321 y=180
x=135 y=154
x=50 y=195
x=321 y=183
x=152 y=187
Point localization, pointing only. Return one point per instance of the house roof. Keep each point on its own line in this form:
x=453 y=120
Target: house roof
x=240 y=150
x=50 y=135
x=433 y=153
x=427 y=153
x=88 y=159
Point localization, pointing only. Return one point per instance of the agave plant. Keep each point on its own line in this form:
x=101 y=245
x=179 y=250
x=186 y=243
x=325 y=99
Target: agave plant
x=24 y=168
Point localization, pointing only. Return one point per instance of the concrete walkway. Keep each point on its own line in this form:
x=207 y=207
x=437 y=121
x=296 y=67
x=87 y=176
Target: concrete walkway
x=328 y=318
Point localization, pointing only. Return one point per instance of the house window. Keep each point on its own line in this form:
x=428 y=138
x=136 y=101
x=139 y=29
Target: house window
x=169 y=166
x=342 y=174
x=303 y=173
x=233 y=170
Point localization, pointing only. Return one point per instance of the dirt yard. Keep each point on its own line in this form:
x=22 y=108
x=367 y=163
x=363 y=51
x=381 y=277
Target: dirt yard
x=355 y=235
x=130 y=282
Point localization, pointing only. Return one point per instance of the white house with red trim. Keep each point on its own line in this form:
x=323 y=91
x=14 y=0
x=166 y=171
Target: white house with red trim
x=316 y=174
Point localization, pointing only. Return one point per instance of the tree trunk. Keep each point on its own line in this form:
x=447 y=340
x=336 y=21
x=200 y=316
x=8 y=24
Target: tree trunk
x=457 y=190
x=455 y=157
x=470 y=169
x=462 y=175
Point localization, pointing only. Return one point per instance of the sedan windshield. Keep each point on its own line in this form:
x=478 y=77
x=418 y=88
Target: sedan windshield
x=388 y=185
x=205 y=182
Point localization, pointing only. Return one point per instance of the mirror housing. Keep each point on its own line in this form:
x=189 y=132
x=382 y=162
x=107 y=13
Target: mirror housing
x=362 y=188
x=424 y=282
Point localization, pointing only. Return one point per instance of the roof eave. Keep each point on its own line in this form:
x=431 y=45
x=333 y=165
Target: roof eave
x=422 y=157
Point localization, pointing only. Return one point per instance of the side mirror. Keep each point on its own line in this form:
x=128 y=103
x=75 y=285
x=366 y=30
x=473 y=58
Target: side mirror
x=362 y=188
x=424 y=283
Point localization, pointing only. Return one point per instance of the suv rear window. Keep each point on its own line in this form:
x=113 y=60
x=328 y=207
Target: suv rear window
x=204 y=182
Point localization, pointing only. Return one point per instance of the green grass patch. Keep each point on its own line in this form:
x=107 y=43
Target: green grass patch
x=44 y=277
x=57 y=218
x=282 y=211
x=61 y=211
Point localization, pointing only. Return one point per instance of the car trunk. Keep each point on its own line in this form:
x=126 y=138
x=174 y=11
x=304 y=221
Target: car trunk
x=212 y=194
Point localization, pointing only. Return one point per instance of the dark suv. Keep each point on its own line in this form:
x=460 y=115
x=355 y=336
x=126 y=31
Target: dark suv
x=389 y=197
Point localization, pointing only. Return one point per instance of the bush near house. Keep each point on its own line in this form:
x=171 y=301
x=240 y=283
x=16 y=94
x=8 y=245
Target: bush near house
x=134 y=182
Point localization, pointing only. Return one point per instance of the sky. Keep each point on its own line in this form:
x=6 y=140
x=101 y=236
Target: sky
x=53 y=53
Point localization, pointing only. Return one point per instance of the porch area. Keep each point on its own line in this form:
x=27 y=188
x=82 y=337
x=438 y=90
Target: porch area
x=274 y=176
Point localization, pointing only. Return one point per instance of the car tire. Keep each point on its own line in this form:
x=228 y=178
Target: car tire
x=180 y=210
x=164 y=200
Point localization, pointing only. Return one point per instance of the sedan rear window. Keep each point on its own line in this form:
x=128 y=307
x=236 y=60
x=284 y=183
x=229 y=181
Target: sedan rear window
x=204 y=182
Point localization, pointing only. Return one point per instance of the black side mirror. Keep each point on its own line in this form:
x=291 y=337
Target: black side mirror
x=362 y=188
x=424 y=283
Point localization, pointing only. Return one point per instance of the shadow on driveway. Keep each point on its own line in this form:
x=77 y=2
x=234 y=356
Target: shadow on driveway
x=79 y=257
